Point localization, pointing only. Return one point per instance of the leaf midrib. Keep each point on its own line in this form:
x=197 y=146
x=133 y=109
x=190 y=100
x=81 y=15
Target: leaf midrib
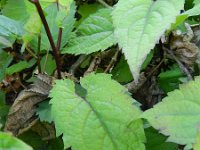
x=101 y=121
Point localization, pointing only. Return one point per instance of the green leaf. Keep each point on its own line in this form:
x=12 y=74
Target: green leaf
x=5 y=60
x=195 y=10
x=177 y=116
x=48 y=64
x=86 y=9
x=64 y=8
x=18 y=9
x=5 y=42
x=94 y=33
x=21 y=9
x=99 y=115
x=8 y=142
x=17 y=67
x=169 y=80
x=121 y=72
x=156 y=141
x=10 y=27
x=33 y=139
x=139 y=25
x=44 y=112
x=196 y=145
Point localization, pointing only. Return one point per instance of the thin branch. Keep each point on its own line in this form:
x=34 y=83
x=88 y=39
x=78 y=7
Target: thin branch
x=75 y=66
x=31 y=53
x=59 y=38
x=49 y=35
x=104 y=3
x=38 y=54
x=45 y=62
x=94 y=64
x=113 y=60
x=182 y=67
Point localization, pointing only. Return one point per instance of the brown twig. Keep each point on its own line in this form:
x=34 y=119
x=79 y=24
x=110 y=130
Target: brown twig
x=31 y=53
x=113 y=60
x=181 y=66
x=104 y=3
x=75 y=66
x=94 y=64
x=49 y=35
x=133 y=87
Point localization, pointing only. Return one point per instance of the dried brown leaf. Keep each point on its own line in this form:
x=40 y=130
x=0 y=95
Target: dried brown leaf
x=22 y=113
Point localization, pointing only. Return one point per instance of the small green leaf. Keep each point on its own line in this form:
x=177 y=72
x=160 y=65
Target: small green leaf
x=17 y=67
x=44 y=112
x=139 y=25
x=99 y=116
x=95 y=33
x=8 y=142
x=5 y=60
x=169 y=80
x=177 y=116
x=156 y=141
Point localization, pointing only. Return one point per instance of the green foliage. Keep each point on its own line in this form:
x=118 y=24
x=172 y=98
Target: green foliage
x=48 y=64
x=87 y=9
x=139 y=25
x=98 y=115
x=93 y=34
x=44 y=112
x=177 y=116
x=18 y=67
x=5 y=60
x=195 y=10
x=156 y=141
x=170 y=79
x=9 y=27
x=121 y=72
x=97 y=112
x=7 y=141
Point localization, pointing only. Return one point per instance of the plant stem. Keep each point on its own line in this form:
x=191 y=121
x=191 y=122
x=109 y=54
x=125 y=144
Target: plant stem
x=59 y=38
x=49 y=35
x=38 y=54
x=31 y=53
x=104 y=4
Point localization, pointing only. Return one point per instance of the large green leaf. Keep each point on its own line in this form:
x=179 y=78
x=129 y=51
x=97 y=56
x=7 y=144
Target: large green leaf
x=100 y=116
x=139 y=25
x=177 y=116
x=8 y=142
x=94 y=33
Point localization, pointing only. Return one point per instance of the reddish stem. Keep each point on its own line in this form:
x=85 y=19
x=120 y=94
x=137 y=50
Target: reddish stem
x=49 y=35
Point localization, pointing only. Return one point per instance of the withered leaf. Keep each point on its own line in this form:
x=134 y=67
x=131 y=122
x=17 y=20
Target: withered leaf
x=22 y=113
